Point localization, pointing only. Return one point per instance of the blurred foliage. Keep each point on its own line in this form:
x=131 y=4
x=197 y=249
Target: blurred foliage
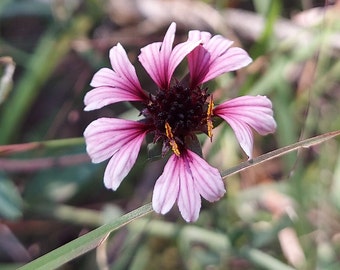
x=282 y=214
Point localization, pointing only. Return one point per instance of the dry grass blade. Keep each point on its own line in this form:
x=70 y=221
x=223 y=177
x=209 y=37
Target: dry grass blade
x=31 y=165
x=280 y=152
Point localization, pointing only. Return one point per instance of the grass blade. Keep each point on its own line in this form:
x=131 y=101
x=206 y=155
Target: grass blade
x=85 y=243
x=91 y=240
x=280 y=152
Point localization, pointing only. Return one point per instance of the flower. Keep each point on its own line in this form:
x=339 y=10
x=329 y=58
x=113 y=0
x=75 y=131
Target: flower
x=174 y=115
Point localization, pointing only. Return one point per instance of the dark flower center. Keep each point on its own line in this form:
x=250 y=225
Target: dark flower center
x=180 y=111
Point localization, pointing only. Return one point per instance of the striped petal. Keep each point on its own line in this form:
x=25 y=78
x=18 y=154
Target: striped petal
x=208 y=180
x=121 y=163
x=189 y=199
x=105 y=136
x=166 y=189
x=119 y=84
x=160 y=60
x=186 y=178
x=118 y=139
x=246 y=113
x=213 y=58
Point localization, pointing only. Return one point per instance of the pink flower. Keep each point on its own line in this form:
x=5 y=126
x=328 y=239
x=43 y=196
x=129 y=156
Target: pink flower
x=174 y=115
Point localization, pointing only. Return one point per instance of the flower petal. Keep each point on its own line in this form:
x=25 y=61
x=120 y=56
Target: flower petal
x=160 y=60
x=189 y=199
x=179 y=52
x=184 y=179
x=167 y=186
x=121 y=162
x=119 y=84
x=150 y=59
x=105 y=136
x=208 y=180
x=213 y=58
x=244 y=113
x=199 y=58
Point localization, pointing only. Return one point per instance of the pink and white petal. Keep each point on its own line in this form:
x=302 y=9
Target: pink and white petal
x=121 y=163
x=198 y=59
x=105 y=136
x=207 y=179
x=106 y=95
x=108 y=77
x=123 y=67
x=202 y=36
x=189 y=199
x=167 y=43
x=198 y=63
x=184 y=179
x=244 y=135
x=233 y=59
x=166 y=188
x=217 y=46
x=255 y=110
x=179 y=52
x=104 y=77
x=160 y=60
x=214 y=58
x=244 y=113
x=111 y=86
x=155 y=58
x=154 y=66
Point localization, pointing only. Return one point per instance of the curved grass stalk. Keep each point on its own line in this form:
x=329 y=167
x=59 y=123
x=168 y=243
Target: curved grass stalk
x=85 y=243
x=93 y=239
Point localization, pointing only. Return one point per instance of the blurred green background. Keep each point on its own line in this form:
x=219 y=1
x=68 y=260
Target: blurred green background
x=283 y=214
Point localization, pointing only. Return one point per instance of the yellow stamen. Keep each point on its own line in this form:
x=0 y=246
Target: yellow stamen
x=172 y=141
x=210 y=125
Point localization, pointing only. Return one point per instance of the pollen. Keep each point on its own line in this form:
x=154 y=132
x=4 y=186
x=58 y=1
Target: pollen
x=210 y=125
x=172 y=141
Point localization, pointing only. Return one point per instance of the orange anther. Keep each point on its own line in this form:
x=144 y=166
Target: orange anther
x=210 y=125
x=172 y=141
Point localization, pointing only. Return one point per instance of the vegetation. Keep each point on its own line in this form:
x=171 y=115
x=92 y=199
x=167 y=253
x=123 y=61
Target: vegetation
x=282 y=209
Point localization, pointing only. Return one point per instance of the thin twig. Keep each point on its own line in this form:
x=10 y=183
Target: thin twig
x=31 y=165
